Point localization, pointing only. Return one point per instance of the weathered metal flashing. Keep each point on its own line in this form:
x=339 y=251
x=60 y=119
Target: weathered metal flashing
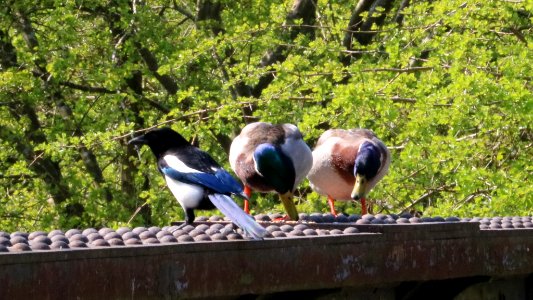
x=380 y=255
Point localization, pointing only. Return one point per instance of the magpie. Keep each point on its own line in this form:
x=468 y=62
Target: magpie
x=196 y=180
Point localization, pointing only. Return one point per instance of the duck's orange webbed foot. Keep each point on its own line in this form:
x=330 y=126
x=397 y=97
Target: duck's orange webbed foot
x=331 y=203
x=282 y=219
x=248 y=193
x=364 y=209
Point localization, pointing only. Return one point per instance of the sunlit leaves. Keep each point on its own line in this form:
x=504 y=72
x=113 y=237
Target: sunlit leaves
x=459 y=126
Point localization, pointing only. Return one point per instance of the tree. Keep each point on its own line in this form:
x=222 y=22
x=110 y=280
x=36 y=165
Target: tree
x=446 y=85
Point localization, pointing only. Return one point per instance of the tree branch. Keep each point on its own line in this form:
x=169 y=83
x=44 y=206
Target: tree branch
x=44 y=167
x=355 y=23
x=404 y=100
x=86 y=88
x=17 y=176
x=183 y=11
x=149 y=59
x=485 y=193
x=399 y=14
x=304 y=10
x=429 y=193
x=518 y=35
x=399 y=70
x=358 y=27
x=8 y=55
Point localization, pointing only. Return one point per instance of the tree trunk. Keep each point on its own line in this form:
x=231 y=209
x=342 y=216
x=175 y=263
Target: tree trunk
x=134 y=83
x=360 y=29
x=54 y=96
x=45 y=168
x=304 y=10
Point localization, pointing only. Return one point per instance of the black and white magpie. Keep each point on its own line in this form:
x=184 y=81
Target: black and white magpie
x=196 y=180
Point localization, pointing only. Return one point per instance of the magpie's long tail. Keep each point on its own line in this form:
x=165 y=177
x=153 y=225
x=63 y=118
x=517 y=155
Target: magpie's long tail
x=230 y=209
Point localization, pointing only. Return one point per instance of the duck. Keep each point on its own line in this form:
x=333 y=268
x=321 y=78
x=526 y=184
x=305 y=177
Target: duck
x=347 y=164
x=196 y=180
x=270 y=157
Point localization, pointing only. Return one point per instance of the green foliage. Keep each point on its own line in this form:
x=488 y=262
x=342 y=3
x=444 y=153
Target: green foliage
x=458 y=120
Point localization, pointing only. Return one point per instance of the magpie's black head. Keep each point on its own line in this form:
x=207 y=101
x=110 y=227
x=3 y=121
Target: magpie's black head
x=160 y=140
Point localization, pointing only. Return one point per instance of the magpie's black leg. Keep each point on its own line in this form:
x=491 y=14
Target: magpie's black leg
x=189 y=216
x=189 y=219
x=179 y=227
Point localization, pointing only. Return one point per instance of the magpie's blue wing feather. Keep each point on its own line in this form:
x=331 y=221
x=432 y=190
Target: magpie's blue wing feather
x=228 y=180
x=218 y=182
x=173 y=173
x=212 y=182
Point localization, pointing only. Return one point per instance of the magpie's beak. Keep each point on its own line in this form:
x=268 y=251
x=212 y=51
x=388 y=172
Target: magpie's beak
x=140 y=140
x=244 y=196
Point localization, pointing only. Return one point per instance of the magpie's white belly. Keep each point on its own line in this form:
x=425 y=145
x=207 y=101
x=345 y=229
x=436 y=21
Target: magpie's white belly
x=188 y=195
